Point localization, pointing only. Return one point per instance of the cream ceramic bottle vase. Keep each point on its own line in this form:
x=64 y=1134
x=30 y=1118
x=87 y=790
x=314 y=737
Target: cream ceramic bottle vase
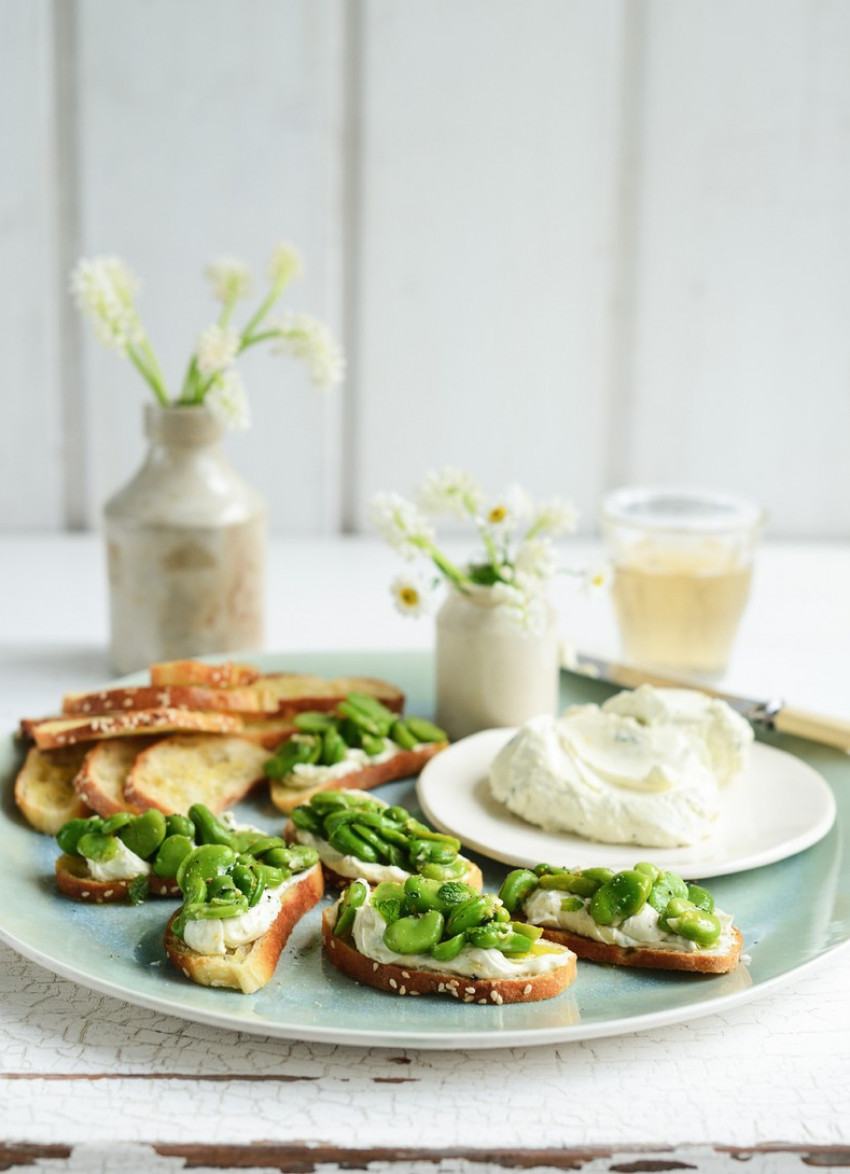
x=186 y=541
x=489 y=672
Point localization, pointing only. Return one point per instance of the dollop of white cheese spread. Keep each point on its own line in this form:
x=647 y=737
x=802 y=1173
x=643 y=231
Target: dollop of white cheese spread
x=644 y=768
x=310 y=774
x=472 y=962
x=543 y=907
x=124 y=865
x=217 y=935
x=351 y=866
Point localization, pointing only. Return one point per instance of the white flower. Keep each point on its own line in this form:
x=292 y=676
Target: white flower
x=216 y=349
x=537 y=557
x=104 y=288
x=230 y=279
x=450 y=491
x=525 y=607
x=400 y=523
x=555 y=516
x=304 y=337
x=597 y=579
x=227 y=401
x=508 y=511
x=285 y=264
x=412 y=596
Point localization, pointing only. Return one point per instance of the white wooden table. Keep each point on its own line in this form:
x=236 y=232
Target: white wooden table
x=92 y=1084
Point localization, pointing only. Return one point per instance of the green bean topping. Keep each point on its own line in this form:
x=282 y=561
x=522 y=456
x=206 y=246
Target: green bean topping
x=360 y=722
x=610 y=898
x=364 y=827
x=424 y=917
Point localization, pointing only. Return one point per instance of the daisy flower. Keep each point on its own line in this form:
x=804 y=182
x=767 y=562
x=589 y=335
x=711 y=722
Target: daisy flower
x=597 y=579
x=510 y=510
x=412 y=596
x=216 y=349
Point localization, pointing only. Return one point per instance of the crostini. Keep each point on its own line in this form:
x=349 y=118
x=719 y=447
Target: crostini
x=358 y=835
x=644 y=916
x=427 y=937
x=359 y=746
x=239 y=909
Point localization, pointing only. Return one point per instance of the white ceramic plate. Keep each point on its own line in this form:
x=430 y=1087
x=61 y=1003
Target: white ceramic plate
x=778 y=807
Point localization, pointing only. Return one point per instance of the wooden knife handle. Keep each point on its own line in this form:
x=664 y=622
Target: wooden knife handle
x=832 y=731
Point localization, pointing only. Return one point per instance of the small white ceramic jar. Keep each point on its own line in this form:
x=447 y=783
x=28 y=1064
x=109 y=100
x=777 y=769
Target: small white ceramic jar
x=489 y=672
x=186 y=544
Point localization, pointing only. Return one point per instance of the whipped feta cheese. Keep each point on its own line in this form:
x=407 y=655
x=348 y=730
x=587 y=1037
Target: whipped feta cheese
x=351 y=866
x=641 y=769
x=125 y=865
x=217 y=935
x=472 y=962
x=543 y=907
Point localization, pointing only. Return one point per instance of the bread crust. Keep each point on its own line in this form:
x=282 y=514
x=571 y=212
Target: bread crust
x=44 y=788
x=400 y=766
x=74 y=880
x=221 y=772
x=68 y=731
x=251 y=966
x=228 y=675
x=102 y=777
x=193 y=697
x=291 y=693
x=336 y=880
x=402 y=980
x=696 y=963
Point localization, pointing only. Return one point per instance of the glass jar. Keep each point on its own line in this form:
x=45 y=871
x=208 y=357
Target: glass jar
x=489 y=672
x=186 y=545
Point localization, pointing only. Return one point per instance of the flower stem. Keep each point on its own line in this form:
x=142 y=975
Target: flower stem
x=263 y=309
x=452 y=572
x=149 y=376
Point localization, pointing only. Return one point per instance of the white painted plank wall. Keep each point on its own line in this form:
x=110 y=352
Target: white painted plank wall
x=571 y=243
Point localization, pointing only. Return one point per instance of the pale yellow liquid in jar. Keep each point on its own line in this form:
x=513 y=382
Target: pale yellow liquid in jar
x=679 y=609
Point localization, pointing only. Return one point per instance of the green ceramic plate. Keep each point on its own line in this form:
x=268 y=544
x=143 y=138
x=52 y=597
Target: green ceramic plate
x=793 y=915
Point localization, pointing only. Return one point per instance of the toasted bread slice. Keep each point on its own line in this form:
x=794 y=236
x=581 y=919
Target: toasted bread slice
x=403 y=980
x=195 y=768
x=194 y=697
x=68 y=731
x=268 y=731
x=74 y=880
x=103 y=776
x=288 y=693
x=696 y=962
x=340 y=880
x=403 y=765
x=229 y=675
x=248 y=967
x=44 y=788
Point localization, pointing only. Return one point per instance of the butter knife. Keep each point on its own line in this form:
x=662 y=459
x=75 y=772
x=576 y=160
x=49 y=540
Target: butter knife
x=772 y=714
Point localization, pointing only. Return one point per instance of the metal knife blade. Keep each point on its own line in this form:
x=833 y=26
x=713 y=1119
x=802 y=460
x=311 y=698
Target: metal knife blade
x=761 y=713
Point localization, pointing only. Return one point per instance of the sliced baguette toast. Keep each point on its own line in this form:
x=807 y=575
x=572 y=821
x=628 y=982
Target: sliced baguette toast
x=44 y=788
x=68 y=731
x=229 y=675
x=195 y=768
x=268 y=731
x=74 y=880
x=136 y=697
x=102 y=778
x=403 y=980
x=289 y=693
x=698 y=962
x=403 y=765
x=248 y=967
